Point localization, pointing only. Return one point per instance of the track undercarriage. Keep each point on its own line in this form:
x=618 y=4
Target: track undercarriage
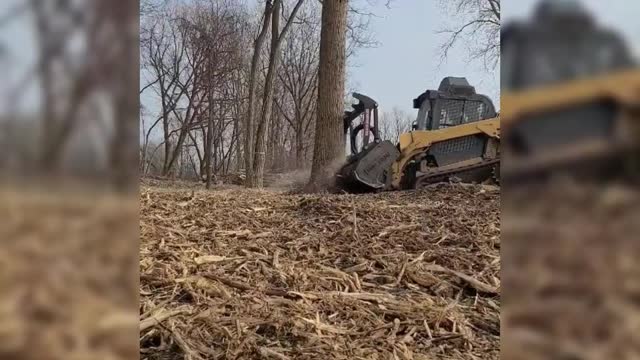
x=474 y=173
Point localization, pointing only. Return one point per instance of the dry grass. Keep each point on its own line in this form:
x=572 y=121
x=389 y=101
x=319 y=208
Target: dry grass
x=237 y=274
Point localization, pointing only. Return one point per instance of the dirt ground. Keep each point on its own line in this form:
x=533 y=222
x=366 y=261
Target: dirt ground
x=239 y=274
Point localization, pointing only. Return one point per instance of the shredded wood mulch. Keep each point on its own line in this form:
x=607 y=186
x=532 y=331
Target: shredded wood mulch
x=239 y=274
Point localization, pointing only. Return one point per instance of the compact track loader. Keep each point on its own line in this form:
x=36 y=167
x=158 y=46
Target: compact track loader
x=456 y=134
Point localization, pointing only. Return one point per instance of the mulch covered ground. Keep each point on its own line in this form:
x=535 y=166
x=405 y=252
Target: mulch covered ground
x=238 y=274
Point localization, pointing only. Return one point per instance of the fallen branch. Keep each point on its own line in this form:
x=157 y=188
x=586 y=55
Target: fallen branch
x=475 y=283
x=209 y=259
x=328 y=328
x=189 y=354
x=354 y=295
x=245 y=287
x=158 y=318
x=271 y=354
x=391 y=229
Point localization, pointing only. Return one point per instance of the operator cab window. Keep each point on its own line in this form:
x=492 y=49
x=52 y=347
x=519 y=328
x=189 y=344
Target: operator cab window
x=451 y=112
x=474 y=111
x=457 y=112
x=446 y=119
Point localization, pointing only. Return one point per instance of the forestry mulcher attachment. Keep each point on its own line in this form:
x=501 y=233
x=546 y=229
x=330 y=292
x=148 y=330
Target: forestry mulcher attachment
x=456 y=135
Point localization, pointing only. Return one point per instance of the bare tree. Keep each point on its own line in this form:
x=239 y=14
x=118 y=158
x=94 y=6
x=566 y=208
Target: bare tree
x=60 y=104
x=401 y=122
x=83 y=121
x=277 y=36
x=299 y=74
x=395 y=123
x=259 y=114
x=329 y=139
x=217 y=29
x=194 y=63
x=249 y=145
x=299 y=79
x=175 y=76
x=476 y=24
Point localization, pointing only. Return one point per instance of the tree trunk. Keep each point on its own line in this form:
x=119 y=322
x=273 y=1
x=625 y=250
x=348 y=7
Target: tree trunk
x=249 y=123
x=299 y=146
x=265 y=116
x=267 y=103
x=233 y=147
x=167 y=142
x=329 y=148
x=124 y=146
x=203 y=168
x=209 y=139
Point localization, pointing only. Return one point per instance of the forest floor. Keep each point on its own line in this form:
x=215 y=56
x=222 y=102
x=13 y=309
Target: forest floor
x=231 y=273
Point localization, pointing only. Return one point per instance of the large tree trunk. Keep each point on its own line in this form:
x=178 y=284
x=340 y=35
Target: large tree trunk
x=329 y=148
x=249 y=123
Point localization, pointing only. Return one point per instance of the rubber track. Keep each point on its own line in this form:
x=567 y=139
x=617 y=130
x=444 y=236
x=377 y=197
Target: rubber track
x=439 y=176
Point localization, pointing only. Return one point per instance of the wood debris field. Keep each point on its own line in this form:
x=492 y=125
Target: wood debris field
x=240 y=274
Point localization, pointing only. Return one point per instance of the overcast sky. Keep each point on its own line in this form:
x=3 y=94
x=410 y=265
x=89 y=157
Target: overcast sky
x=621 y=15
x=407 y=61
x=17 y=53
x=403 y=66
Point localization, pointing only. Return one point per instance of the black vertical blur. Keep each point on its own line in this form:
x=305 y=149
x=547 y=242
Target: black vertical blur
x=571 y=205
x=68 y=179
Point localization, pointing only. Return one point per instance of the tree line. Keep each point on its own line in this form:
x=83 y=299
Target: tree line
x=238 y=86
x=74 y=109
x=229 y=87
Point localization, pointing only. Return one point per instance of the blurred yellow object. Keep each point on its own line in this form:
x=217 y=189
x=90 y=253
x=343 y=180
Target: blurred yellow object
x=622 y=87
x=571 y=94
x=585 y=124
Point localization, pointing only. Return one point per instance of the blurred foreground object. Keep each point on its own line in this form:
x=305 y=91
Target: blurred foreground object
x=570 y=204
x=561 y=42
x=70 y=105
x=587 y=127
x=570 y=274
x=571 y=95
x=68 y=138
x=68 y=270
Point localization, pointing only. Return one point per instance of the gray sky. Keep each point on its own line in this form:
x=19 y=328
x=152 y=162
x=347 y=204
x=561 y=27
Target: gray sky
x=404 y=65
x=406 y=62
x=18 y=54
x=621 y=15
